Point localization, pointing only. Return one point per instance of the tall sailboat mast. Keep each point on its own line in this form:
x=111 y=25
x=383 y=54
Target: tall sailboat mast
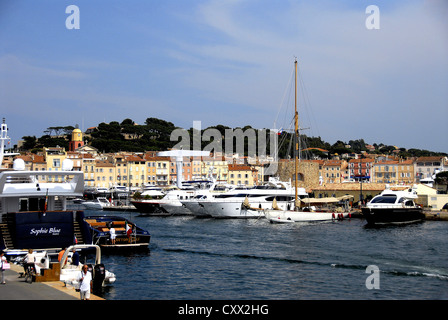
x=296 y=133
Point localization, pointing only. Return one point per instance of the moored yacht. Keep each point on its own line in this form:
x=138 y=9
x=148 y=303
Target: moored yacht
x=97 y=204
x=34 y=214
x=234 y=204
x=195 y=204
x=170 y=203
x=299 y=212
x=393 y=207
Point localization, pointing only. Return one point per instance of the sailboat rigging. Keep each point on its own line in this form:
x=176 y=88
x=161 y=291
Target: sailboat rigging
x=298 y=213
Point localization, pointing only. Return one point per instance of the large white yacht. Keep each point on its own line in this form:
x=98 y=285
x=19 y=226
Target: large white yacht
x=234 y=204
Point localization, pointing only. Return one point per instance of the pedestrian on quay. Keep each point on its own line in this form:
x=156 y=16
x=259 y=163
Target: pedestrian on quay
x=3 y=260
x=85 y=281
x=30 y=259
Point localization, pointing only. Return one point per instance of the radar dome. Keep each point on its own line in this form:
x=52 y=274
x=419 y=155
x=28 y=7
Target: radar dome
x=19 y=164
x=67 y=165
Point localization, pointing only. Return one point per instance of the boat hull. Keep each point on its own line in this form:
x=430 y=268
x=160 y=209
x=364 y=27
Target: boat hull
x=230 y=210
x=281 y=216
x=160 y=207
x=147 y=208
x=384 y=216
x=93 y=206
x=196 y=208
x=42 y=230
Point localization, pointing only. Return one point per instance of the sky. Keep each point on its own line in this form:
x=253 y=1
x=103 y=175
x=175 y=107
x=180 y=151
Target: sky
x=229 y=62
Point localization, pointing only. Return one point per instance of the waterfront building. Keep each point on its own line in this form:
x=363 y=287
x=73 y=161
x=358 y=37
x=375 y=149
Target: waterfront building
x=428 y=167
x=360 y=169
x=121 y=170
x=364 y=191
x=239 y=174
x=162 y=166
x=406 y=172
x=54 y=157
x=137 y=170
x=332 y=171
x=89 y=166
x=215 y=168
x=76 y=157
x=105 y=174
x=39 y=164
x=151 y=168
x=196 y=164
x=386 y=172
x=187 y=173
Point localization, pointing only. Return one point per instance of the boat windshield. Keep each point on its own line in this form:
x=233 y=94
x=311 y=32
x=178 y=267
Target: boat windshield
x=384 y=199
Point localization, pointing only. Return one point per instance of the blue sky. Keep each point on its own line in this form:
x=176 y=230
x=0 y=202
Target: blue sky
x=229 y=62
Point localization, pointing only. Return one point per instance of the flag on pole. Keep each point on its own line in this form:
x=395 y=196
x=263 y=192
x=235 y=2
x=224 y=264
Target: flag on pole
x=46 y=202
x=128 y=229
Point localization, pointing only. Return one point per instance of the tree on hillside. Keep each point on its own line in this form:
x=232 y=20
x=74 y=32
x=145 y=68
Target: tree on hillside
x=29 y=142
x=339 y=147
x=358 y=145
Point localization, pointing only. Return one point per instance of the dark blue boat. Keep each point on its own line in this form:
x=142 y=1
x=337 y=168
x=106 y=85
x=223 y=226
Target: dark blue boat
x=127 y=234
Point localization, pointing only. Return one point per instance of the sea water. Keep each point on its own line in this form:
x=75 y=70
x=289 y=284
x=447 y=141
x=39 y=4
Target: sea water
x=231 y=259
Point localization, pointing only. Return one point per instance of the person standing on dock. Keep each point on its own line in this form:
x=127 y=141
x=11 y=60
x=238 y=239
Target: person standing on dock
x=3 y=260
x=85 y=280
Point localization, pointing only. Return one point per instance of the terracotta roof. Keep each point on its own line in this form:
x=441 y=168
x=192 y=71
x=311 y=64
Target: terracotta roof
x=157 y=158
x=361 y=160
x=387 y=162
x=134 y=158
x=435 y=158
x=38 y=159
x=101 y=163
x=239 y=167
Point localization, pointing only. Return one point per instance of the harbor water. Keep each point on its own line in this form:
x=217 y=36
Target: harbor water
x=212 y=259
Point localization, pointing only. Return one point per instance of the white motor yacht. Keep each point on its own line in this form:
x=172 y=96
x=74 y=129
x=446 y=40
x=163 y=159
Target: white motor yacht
x=97 y=204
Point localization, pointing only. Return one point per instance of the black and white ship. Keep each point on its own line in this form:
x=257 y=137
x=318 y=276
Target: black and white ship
x=393 y=207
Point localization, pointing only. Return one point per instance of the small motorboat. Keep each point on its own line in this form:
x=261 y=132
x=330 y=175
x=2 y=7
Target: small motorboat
x=97 y=204
x=69 y=273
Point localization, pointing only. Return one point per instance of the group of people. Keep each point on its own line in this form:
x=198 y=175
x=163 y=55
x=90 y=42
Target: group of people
x=29 y=261
x=75 y=257
x=84 y=277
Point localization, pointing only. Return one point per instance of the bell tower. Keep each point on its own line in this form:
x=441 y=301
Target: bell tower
x=76 y=140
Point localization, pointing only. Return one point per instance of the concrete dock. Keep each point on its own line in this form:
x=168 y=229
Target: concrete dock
x=17 y=289
x=436 y=215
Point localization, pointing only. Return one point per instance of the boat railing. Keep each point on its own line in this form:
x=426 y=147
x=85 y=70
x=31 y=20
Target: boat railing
x=18 y=179
x=389 y=206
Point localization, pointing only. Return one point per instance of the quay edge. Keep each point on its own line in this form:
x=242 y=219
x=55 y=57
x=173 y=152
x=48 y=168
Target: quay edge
x=436 y=215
